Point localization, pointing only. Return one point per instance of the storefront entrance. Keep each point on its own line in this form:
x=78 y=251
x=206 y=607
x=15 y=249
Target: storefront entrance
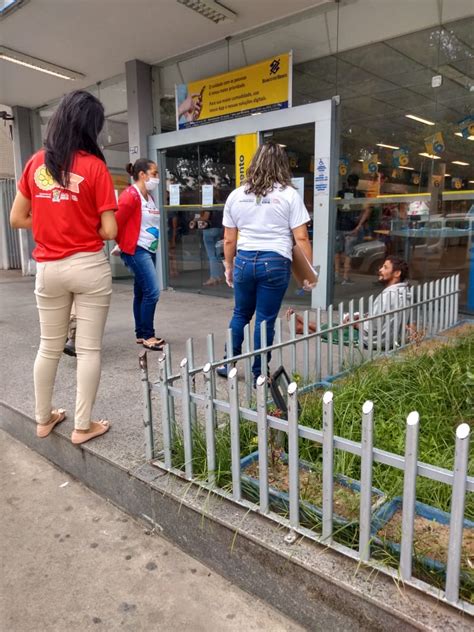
x=201 y=166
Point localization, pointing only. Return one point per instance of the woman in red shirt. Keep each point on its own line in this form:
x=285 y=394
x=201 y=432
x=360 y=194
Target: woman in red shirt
x=66 y=196
x=138 y=222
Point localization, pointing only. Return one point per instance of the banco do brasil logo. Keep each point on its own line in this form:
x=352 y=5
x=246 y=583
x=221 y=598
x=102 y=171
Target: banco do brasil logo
x=275 y=66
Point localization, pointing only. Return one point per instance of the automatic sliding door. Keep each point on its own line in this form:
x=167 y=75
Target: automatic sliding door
x=298 y=142
x=199 y=178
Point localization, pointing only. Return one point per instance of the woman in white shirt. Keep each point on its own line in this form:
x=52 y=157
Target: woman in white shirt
x=260 y=219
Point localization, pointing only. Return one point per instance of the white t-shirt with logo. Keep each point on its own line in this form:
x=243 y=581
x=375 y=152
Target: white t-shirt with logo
x=150 y=225
x=265 y=223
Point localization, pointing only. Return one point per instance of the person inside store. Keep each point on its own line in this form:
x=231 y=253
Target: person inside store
x=349 y=223
x=210 y=221
x=261 y=219
x=393 y=275
x=138 y=221
x=66 y=197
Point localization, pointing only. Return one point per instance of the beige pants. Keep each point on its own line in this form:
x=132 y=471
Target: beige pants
x=86 y=279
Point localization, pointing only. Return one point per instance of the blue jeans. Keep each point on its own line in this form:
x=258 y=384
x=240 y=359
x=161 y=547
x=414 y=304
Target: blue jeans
x=210 y=237
x=260 y=282
x=146 y=291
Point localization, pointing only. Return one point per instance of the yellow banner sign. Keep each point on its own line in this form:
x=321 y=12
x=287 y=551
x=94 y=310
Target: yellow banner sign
x=245 y=147
x=258 y=88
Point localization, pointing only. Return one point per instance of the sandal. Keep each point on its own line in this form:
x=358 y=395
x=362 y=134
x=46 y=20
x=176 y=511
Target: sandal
x=43 y=430
x=139 y=341
x=154 y=344
x=96 y=429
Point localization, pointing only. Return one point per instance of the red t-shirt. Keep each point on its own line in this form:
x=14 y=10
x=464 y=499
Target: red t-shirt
x=66 y=221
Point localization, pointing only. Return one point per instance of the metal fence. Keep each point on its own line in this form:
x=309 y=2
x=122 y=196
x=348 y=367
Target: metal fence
x=10 y=257
x=184 y=410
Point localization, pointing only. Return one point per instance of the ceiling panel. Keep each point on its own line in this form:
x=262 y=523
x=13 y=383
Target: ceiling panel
x=433 y=47
x=378 y=58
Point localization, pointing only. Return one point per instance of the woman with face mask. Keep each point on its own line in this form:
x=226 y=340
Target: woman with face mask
x=138 y=222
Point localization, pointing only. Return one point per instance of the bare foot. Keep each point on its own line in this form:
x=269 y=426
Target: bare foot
x=97 y=428
x=57 y=416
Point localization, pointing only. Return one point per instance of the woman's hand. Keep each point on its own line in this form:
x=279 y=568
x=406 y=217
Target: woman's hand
x=308 y=286
x=229 y=275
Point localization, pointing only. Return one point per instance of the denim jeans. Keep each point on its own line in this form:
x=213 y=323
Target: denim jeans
x=146 y=291
x=260 y=282
x=210 y=237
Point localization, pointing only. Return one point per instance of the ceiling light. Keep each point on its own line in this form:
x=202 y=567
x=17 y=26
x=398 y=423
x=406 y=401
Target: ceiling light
x=468 y=137
x=407 y=168
x=447 y=175
x=433 y=156
x=471 y=181
x=459 y=162
x=210 y=9
x=7 y=54
x=387 y=146
x=420 y=120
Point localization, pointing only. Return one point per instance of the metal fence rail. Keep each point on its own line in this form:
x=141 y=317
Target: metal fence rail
x=433 y=309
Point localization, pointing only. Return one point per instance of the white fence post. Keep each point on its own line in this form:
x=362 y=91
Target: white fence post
x=367 y=445
x=328 y=465
x=409 y=494
x=457 y=513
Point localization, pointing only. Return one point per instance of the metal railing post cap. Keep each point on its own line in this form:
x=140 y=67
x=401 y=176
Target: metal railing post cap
x=183 y=362
x=328 y=397
x=292 y=388
x=367 y=407
x=207 y=367
x=413 y=418
x=261 y=379
x=462 y=431
x=232 y=373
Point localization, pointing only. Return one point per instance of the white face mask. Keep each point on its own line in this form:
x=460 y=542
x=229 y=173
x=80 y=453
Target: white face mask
x=152 y=183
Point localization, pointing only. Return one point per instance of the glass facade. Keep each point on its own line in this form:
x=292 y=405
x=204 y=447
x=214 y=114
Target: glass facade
x=404 y=177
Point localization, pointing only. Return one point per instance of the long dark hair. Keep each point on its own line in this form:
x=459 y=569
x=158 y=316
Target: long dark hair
x=269 y=166
x=74 y=126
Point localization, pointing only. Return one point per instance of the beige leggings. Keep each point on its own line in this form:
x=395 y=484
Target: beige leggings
x=86 y=279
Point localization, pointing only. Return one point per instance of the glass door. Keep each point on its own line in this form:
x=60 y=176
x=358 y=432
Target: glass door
x=298 y=142
x=199 y=177
x=199 y=169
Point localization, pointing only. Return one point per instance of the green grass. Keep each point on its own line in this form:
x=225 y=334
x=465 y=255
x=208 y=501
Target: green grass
x=437 y=382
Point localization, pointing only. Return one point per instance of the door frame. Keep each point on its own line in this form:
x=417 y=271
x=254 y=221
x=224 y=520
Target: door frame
x=322 y=114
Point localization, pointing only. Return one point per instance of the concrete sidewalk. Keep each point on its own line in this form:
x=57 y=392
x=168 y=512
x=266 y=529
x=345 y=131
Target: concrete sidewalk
x=179 y=316
x=315 y=585
x=72 y=561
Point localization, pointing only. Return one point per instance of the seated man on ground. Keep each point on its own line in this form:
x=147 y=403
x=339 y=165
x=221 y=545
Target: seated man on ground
x=393 y=274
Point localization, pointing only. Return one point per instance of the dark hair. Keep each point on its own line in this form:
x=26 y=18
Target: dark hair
x=399 y=265
x=352 y=180
x=142 y=164
x=269 y=166
x=74 y=127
